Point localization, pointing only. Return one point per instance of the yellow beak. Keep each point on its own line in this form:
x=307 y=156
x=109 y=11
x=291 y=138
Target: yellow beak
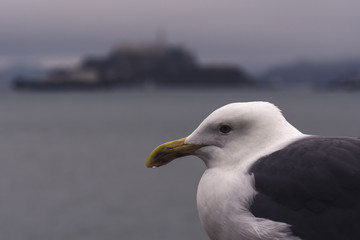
x=169 y=151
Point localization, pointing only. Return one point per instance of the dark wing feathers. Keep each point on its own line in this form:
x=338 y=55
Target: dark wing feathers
x=314 y=185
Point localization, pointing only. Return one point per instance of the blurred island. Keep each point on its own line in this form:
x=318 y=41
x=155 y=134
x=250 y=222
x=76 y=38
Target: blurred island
x=138 y=65
x=325 y=75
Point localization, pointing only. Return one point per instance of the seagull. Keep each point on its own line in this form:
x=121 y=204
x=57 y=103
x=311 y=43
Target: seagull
x=264 y=179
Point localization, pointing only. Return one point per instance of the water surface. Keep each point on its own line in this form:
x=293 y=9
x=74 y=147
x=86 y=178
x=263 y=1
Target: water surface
x=72 y=164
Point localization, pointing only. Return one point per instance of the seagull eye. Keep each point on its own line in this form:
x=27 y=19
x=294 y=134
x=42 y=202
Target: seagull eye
x=225 y=129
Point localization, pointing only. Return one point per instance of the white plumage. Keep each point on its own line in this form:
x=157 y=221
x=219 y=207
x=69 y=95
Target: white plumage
x=226 y=190
x=266 y=180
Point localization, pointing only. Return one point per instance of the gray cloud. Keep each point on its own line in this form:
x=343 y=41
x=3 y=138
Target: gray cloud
x=252 y=33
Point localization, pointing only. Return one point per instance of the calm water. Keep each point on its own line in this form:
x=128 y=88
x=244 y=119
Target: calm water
x=72 y=164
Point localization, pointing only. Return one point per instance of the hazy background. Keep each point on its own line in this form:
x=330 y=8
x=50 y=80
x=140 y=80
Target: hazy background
x=255 y=34
x=72 y=164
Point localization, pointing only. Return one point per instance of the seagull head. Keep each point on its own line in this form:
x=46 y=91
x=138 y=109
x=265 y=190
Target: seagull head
x=229 y=136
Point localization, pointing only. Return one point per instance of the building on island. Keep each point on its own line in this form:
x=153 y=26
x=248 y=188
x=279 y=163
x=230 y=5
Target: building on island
x=156 y=63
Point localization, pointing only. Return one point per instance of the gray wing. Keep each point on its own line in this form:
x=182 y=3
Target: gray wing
x=314 y=185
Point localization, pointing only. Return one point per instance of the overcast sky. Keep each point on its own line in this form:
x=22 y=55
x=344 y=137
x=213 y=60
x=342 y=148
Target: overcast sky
x=252 y=33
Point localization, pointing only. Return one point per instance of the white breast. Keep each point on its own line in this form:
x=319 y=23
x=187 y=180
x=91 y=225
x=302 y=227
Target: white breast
x=223 y=199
